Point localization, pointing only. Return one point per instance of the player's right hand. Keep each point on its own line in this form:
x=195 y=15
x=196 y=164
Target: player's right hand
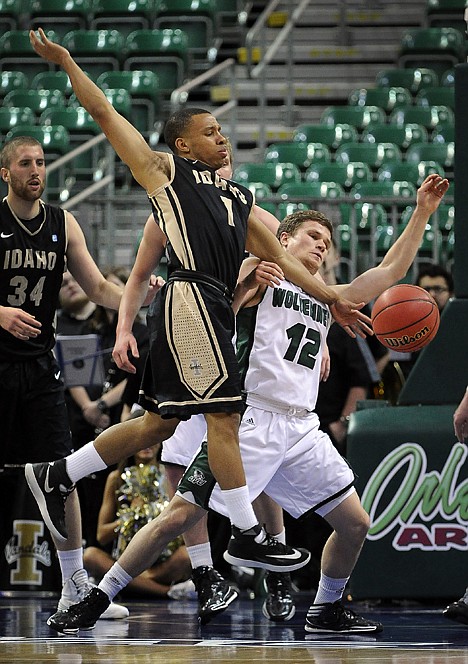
x=353 y=321
x=125 y=343
x=19 y=323
x=47 y=49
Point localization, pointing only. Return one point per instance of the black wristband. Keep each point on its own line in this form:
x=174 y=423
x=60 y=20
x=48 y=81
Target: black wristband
x=102 y=406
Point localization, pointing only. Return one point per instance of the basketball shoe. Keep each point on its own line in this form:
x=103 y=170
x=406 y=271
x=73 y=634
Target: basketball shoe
x=457 y=611
x=334 y=617
x=256 y=548
x=279 y=604
x=74 y=590
x=50 y=486
x=214 y=593
x=83 y=615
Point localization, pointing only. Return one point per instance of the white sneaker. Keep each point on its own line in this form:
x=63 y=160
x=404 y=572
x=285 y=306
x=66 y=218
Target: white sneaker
x=74 y=590
x=183 y=590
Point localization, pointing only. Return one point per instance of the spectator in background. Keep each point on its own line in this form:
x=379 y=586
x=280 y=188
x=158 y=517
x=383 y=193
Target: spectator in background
x=437 y=281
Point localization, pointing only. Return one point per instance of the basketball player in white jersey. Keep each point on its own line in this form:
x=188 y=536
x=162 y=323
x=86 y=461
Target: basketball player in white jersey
x=284 y=452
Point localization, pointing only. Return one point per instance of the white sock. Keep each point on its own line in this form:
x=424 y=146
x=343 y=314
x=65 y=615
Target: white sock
x=70 y=562
x=281 y=537
x=330 y=590
x=83 y=462
x=200 y=555
x=240 y=508
x=114 y=581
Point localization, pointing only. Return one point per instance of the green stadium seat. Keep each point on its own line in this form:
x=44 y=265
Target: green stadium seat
x=95 y=50
x=16 y=53
x=415 y=172
x=383 y=189
x=413 y=79
x=286 y=208
x=430 y=117
x=448 y=78
x=10 y=14
x=344 y=174
x=54 y=138
x=125 y=15
x=270 y=173
x=363 y=216
x=446 y=13
x=53 y=80
x=60 y=15
x=438 y=48
x=356 y=116
x=12 y=80
x=166 y=50
x=402 y=136
x=372 y=154
x=81 y=128
x=269 y=207
x=443 y=153
x=300 y=154
x=384 y=237
x=143 y=87
x=260 y=190
x=14 y=116
x=311 y=190
x=331 y=136
x=386 y=98
x=36 y=100
x=196 y=19
x=444 y=134
x=445 y=216
x=78 y=122
x=439 y=96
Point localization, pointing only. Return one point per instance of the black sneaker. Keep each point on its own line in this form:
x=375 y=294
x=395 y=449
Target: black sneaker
x=255 y=548
x=214 y=593
x=83 y=615
x=50 y=486
x=279 y=604
x=334 y=617
x=457 y=611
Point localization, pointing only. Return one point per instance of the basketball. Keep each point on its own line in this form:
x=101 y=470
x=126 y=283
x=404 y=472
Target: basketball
x=405 y=318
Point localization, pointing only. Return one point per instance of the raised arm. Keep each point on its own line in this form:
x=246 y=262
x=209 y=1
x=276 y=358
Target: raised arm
x=400 y=256
x=124 y=138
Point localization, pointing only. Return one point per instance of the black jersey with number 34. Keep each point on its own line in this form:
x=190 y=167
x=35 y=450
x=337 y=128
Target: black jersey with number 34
x=32 y=258
x=204 y=218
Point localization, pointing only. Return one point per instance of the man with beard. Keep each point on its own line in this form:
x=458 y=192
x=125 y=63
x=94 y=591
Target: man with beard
x=37 y=240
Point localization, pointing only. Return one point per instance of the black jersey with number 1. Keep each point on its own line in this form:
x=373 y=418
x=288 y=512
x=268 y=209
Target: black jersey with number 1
x=204 y=218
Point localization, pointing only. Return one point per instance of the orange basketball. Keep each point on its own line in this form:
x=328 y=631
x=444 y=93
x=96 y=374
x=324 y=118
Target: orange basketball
x=405 y=318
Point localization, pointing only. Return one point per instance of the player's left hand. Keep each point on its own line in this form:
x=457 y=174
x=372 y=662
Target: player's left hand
x=325 y=365
x=155 y=284
x=353 y=321
x=47 y=49
x=431 y=192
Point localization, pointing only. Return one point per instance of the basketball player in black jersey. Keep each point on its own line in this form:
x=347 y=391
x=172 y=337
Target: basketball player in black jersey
x=207 y=222
x=36 y=240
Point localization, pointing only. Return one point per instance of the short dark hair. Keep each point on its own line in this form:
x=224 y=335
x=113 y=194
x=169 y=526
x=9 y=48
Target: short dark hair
x=435 y=270
x=292 y=222
x=9 y=149
x=177 y=124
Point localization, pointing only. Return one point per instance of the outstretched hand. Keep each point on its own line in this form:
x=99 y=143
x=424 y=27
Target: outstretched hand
x=431 y=192
x=47 y=49
x=353 y=321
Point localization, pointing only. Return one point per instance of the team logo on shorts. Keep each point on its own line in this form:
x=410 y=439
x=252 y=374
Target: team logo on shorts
x=197 y=478
x=196 y=367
